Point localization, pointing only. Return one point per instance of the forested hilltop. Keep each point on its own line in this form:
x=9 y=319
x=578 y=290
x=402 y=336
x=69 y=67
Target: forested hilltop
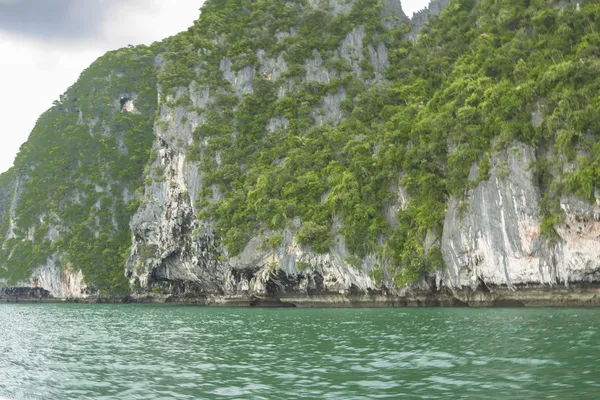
x=294 y=149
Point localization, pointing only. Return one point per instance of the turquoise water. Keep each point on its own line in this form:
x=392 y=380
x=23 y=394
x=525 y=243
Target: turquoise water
x=170 y=352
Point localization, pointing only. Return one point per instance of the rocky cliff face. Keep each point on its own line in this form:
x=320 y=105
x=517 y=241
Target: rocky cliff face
x=174 y=251
x=150 y=228
x=493 y=238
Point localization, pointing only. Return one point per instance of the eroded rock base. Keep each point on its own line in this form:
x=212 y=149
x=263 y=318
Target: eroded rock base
x=582 y=295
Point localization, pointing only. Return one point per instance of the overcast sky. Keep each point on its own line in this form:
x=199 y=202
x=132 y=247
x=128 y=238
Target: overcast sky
x=45 y=44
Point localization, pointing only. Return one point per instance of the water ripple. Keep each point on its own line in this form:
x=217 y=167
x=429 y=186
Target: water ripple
x=167 y=352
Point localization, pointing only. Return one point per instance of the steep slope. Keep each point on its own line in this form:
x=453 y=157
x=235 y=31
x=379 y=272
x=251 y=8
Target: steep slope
x=317 y=148
x=67 y=201
x=259 y=147
x=516 y=114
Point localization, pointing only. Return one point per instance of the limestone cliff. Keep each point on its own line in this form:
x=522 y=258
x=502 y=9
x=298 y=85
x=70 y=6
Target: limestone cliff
x=493 y=239
x=178 y=253
x=321 y=152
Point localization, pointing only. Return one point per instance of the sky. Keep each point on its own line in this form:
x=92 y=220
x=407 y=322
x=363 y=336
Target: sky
x=46 y=44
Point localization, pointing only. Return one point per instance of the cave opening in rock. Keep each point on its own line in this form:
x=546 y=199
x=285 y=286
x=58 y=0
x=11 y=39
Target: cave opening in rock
x=126 y=103
x=124 y=100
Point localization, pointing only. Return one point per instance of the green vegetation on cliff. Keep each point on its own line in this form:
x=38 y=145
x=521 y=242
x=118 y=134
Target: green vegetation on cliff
x=328 y=141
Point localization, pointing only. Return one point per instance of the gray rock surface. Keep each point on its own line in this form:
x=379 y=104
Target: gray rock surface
x=5 y=200
x=494 y=238
x=330 y=110
x=392 y=13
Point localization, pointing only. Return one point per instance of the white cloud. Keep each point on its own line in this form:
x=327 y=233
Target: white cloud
x=411 y=6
